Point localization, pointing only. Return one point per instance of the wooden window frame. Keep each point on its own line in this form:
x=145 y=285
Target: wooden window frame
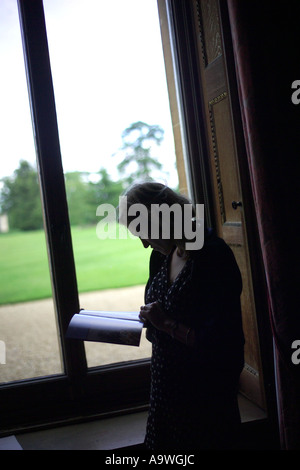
x=181 y=20
x=189 y=102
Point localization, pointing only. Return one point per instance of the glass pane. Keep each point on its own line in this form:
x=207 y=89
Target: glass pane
x=29 y=345
x=108 y=73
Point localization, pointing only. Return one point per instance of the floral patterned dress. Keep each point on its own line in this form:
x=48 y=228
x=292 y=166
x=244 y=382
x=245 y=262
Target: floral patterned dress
x=187 y=410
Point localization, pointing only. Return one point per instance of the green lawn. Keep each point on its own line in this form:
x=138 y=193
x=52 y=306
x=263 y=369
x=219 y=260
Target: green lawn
x=100 y=264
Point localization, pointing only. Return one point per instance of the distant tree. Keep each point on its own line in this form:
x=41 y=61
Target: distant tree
x=106 y=190
x=20 y=198
x=84 y=196
x=138 y=141
x=80 y=198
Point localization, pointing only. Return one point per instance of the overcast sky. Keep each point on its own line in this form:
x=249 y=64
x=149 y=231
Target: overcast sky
x=108 y=71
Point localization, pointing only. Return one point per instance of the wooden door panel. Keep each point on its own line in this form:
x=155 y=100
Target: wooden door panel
x=225 y=178
x=223 y=154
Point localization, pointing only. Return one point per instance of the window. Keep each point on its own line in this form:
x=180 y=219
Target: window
x=105 y=80
x=26 y=328
x=76 y=385
x=83 y=383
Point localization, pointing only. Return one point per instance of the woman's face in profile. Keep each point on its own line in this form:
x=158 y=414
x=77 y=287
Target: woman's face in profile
x=142 y=227
x=161 y=245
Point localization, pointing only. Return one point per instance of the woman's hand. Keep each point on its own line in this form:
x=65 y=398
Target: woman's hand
x=154 y=314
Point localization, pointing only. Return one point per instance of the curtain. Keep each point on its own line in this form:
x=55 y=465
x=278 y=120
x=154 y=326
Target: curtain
x=266 y=52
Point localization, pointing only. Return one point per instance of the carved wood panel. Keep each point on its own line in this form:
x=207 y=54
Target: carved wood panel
x=225 y=178
x=209 y=26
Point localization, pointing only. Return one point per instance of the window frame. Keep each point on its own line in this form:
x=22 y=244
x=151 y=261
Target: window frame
x=78 y=391
x=191 y=101
x=81 y=393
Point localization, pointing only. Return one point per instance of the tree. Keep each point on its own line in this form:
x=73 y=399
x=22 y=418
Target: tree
x=106 y=190
x=80 y=197
x=20 y=198
x=85 y=196
x=138 y=141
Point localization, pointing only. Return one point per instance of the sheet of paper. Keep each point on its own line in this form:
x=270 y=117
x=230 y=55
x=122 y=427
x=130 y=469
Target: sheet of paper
x=103 y=329
x=9 y=443
x=102 y=313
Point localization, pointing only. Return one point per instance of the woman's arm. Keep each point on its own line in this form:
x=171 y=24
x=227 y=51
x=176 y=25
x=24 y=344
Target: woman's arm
x=154 y=314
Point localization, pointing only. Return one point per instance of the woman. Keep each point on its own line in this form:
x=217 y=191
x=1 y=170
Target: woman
x=193 y=318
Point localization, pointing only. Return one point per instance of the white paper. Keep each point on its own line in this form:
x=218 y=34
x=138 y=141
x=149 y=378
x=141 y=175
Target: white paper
x=9 y=443
x=106 y=327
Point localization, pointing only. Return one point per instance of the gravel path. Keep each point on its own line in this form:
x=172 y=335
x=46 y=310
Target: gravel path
x=28 y=332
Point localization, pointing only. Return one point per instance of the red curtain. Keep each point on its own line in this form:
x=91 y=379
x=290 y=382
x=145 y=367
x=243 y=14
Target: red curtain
x=266 y=51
